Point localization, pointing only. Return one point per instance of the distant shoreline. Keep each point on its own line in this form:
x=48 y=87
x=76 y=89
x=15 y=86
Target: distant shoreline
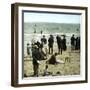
x=51 y=28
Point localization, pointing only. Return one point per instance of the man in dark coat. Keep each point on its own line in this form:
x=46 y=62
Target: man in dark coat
x=72 y=42
x=44 y=43
x=43 y=40
x=59 y=44
x=79 y=43
x=50 y=44
x=64 y=43
x=77 y=46
x=36 y=57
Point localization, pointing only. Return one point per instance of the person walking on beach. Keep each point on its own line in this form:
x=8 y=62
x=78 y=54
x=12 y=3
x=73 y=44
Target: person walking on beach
x=50 y=44
x=73 y=42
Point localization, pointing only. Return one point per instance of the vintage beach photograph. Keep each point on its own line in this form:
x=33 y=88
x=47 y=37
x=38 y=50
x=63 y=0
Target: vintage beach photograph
x=51 y=44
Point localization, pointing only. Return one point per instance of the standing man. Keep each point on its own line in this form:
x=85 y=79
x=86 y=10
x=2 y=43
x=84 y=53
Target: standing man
x=44 y=43
x=59 y=44
x=64 y=43
x=28 y=49
x=79 y=43
x=77 y=46
x=72 y=42
x=36 y=57
x=43 y=40
x=50 y=44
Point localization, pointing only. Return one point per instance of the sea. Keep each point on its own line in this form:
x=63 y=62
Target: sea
x=33 y=32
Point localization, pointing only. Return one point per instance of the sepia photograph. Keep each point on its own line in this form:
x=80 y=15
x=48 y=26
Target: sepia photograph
x=51 y=44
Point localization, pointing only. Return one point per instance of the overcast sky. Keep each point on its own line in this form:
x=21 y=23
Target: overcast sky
x=51 y=18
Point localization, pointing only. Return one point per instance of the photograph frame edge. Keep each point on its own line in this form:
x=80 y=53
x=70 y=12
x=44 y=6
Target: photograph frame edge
x=14 y=37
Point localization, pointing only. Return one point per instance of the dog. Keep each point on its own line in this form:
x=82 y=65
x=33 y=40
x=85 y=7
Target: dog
x=67 y=59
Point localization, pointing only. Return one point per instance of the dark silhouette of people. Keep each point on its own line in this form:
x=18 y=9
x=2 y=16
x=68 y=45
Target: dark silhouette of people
x=50 y=44
x=40 y=45
x=36 y=57
x=43 y=40
x=28 y=49
x=73 y=42
x=44 y=43
x=52 y=59
x=64 y=43
x=77 y=45
x=59 y=44
x=79 y=42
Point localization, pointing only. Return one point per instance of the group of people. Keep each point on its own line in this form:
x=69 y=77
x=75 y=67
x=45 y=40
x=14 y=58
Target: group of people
x=75 y=43
x=39 y=54
x=61 y=43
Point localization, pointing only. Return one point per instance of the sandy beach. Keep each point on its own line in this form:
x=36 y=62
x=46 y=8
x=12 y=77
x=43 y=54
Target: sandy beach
x=71 y=67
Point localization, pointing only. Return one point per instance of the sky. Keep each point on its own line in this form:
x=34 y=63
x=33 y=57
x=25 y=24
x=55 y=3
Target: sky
x=51 y=18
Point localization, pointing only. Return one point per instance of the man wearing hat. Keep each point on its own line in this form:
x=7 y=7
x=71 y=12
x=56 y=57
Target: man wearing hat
x=36 y=57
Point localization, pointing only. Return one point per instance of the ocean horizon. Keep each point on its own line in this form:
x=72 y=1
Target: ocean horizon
x=32 y=31
x=50 y=28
